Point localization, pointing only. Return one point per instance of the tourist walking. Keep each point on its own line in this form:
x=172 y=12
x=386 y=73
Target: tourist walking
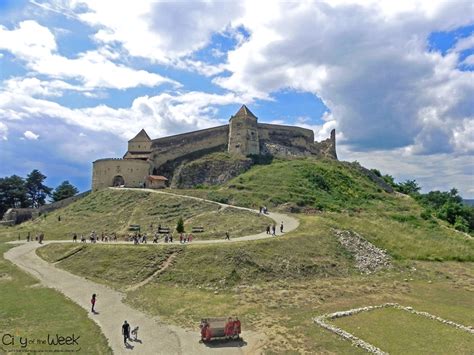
x=93 y=300
x=125 y=332
x=281 y=227
x=274 y=230
x=227 y=236
x=268 y=230
x=74 y=238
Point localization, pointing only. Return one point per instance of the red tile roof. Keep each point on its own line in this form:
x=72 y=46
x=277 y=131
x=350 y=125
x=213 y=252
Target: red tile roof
x=157 y=177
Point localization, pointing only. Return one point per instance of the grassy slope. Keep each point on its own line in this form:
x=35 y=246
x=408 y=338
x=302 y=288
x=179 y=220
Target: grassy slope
x=325 y=184
x=35 y=312
x=115 y=210
x=280 y=283
x=349 y=200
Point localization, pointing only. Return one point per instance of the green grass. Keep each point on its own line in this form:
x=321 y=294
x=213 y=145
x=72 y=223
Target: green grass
x=309 y=252
x=28 y=310
x=114 y=265
x=114 y=210
x=323 y=184
x=399 y=332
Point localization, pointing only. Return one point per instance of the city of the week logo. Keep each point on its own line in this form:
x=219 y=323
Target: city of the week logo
x=51 y=340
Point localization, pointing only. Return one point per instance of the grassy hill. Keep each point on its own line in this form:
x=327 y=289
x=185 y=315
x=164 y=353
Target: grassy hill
x=277 y=285
x=115 y=210
x=323 y=184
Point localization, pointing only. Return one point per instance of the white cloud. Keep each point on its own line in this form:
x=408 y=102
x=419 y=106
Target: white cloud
x=434 y=172
x=30 y=135
x=3 y=131
x=162 y=31
x=36 y=45
x=369 y=63
x=161 y=115
x=35 y=87
x=469 y=60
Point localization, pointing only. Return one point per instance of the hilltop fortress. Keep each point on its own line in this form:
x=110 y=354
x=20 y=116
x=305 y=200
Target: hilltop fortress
x=180 y=160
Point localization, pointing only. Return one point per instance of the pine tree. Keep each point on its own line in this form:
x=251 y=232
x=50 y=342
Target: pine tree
x=64 y=190
x=180 y=225
x=35 y=189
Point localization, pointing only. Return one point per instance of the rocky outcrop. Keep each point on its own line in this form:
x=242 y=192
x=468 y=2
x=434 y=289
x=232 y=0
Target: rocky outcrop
x=211 y=171
x=367 y=256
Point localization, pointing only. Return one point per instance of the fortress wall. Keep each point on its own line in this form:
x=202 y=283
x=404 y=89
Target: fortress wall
x=133 y=172
x=325 y=148
x=285 y=135
x=170 y=148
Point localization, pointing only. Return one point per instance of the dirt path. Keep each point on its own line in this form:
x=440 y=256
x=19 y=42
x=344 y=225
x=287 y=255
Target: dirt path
x=289 y=223
x=166 y=264
x=155 y=336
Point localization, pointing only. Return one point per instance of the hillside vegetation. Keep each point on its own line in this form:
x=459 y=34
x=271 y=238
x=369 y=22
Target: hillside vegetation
x=115 y=210
x=276 y=285
x=322 y=184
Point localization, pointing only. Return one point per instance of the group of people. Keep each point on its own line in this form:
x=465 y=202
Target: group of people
x=232 y=329
x=39 y=237
x=263 y=210
x=94 y=238
x=272 y=229
x=185 y=238
x=138 y=238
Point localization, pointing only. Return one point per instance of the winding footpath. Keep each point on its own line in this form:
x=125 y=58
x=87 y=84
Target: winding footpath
x=155 y=336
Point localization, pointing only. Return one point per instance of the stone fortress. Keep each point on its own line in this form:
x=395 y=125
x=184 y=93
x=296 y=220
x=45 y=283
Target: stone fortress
x=176 y=157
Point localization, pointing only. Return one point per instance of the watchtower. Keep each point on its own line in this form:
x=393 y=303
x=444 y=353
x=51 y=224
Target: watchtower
x=243 y=133
x=139 y=147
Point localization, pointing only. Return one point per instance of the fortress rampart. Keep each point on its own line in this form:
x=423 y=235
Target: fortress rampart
x=243 y=136
x=173 y=147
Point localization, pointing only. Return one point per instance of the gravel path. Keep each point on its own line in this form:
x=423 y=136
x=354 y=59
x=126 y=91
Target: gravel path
x=156 y=337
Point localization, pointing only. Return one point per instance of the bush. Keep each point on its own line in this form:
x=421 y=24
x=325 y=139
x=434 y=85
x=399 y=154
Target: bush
x=461 y=224
x=426 y=214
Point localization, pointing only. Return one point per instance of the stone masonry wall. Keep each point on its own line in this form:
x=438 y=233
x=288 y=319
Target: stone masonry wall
x=133 y=172
x=171 y=148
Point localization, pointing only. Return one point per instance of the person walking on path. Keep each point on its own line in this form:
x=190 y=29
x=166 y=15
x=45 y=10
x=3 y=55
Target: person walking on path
x=93 y=299
x=268 y=229
x=281 y=227
x=227 y=236
x=273 y=229
x=125 y=332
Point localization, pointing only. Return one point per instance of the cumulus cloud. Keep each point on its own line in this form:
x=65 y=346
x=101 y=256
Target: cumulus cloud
x=369 y=64
x=161 y=115
x=36 y=87
x=30 y=135
x=36 y=45
x=163 y=31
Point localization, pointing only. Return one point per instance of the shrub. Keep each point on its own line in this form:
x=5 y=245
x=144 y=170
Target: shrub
x=180 y=225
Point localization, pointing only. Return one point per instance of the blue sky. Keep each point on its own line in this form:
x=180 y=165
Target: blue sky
x=78 y=78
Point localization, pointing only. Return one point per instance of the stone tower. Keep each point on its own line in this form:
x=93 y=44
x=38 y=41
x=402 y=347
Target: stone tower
x=243 y=133
x=139 y=147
